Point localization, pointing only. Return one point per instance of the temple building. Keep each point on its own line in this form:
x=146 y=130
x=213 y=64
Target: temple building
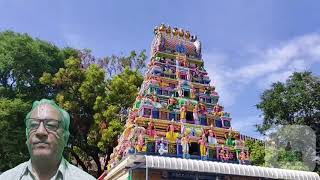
x=177 y=129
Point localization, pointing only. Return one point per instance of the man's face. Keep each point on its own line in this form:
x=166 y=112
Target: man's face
x=45 y=138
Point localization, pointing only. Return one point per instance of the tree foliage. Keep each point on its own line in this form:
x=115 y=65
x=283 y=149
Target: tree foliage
x=121 y=92
x=294 y=102
x=13 y=137
x=281 y=158
x=22 y=62
x=97 y=93
x=268 y=156
x=257 y=152
x=98 y=105
x=77 y=90
x=23 y=59
x=297 y=101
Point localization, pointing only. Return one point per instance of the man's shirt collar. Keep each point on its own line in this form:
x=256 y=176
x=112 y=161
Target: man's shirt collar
x=60 y=172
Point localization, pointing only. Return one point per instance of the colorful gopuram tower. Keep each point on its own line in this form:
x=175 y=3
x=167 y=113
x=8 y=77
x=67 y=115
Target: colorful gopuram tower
x=177 y=112
x=176 y=128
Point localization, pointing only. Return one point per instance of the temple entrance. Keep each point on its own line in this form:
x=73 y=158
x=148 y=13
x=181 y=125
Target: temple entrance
x=194 y=149
x=186 y=93
x=189 y=117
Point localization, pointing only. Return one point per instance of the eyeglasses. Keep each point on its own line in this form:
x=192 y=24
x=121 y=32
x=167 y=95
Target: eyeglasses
x=51 y=125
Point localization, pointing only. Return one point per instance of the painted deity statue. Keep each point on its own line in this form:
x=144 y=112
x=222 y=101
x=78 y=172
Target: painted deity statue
x=207 y=91
x=227 y=156
x=154 y=97
x=182 y=127
x=138 y=101
x=222 y=154
x=141 y=146
x=162 y=148
x=202 y=107
x=133 y=116
x=151 y=130
x=213 y=91
x=230 y=140
x=183 y=61
x=192 y=93
x=163 y=83
x=242 y=157
x=130 y=148
x=122 y=149
x=218 y=110
x=247 y=156
x=183 y=113
x=167 y=69
x=212 y=139
x=179 y=87
x=193 y=131
x=171 y=135
x=171 y=103
x=195 y=115
x=185 y=141
x=203 y=150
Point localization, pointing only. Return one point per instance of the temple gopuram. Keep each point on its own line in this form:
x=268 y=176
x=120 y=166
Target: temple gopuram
x=177 y=129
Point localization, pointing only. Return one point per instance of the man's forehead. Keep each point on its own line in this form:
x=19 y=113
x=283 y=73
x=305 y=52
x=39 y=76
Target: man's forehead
x=45 y=111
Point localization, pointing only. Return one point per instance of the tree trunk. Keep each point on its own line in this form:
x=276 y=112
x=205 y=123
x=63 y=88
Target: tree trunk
x=97 y=161
x=75 y=155
x=108 y=151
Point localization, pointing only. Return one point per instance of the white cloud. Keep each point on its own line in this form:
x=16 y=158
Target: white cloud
x=261 y=66
x=219 y=75
x=246 y=125
x=293 y=55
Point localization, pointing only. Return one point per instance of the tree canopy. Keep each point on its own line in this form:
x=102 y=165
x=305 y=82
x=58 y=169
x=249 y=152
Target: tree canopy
x=97 y=93
x=13 y=136
x=257 y=152
x=297 y=101
x=23 y=59
x=97 y=104
x=294 y=102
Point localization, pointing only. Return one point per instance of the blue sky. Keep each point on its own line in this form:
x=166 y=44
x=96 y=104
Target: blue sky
x=247 y=44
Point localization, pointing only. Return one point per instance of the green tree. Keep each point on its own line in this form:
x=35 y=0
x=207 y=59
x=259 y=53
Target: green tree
x=261 y=155
x=281 y=158
x=112 y=111
x=257 y=152
x=98 y=106
x=295 y=102
x=77 y=90
x=31 y=69
x=22 y=62
x=13 y=137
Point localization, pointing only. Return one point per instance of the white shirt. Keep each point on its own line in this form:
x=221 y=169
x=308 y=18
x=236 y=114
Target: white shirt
x=66 y=171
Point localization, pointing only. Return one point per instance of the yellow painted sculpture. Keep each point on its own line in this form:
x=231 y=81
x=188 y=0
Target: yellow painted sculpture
x=171 y=135
x=183 y=113
x=141 y=147
x=218 y=110
x=203 y=149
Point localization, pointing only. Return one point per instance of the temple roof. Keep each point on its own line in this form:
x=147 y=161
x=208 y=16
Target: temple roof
x=176 y=40
x=171 y=163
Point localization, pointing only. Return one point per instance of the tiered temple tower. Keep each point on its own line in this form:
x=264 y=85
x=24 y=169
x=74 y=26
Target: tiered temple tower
x=176 y=112
x=176 y=121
